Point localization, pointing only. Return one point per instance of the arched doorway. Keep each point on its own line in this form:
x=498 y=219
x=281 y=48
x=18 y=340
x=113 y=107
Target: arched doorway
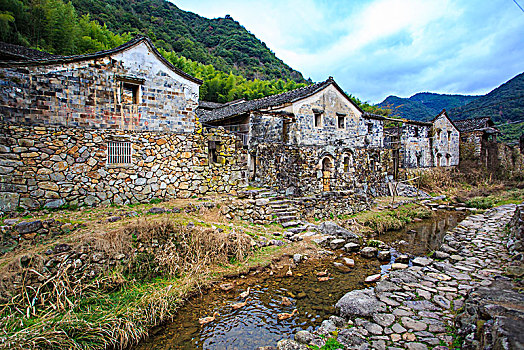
x=327 y=169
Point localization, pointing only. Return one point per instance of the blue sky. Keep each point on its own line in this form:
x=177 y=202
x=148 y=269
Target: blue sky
x=378 y=48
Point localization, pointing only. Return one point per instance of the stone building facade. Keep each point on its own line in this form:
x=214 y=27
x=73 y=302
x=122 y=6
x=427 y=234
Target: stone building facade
x=477 y=135
x=446 y=141
x=308 y=141
x=118 y=126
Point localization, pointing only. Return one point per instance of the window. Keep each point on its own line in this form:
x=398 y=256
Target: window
x=130 y=93
x=341 y=122
x=370 y=128
x=449 y=135
x=347 y=164
x=416 y=131
x=318 y=120
x=213 y=151
x=438 y=134
x=118 y=152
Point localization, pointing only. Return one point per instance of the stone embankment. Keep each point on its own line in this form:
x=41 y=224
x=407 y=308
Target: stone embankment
x=457 y=296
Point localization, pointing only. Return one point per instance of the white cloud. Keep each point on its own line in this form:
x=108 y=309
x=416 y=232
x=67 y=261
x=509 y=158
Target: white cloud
x=382 y=47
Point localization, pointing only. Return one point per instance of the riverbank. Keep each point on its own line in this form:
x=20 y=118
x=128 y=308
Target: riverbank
x=104 y=277
x=458 y=300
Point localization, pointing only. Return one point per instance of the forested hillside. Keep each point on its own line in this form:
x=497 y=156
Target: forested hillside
x=503 y=104
x=424 y=105
x=222 y=42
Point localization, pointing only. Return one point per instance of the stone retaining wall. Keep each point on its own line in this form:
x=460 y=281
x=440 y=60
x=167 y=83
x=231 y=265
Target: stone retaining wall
x=54 y=166
x=330 y=205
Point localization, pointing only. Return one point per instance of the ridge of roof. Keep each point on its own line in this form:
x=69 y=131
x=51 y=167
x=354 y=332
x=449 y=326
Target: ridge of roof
x=291 y=96
x=76 y=58
x=472 y=124
x=13 y=52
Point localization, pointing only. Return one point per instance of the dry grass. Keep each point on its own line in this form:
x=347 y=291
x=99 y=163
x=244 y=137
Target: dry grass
x=119 y=307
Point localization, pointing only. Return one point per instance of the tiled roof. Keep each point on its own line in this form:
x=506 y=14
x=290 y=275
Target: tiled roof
x=52 y=59
x=10 y=52
x=466 y=125
x=228 y=111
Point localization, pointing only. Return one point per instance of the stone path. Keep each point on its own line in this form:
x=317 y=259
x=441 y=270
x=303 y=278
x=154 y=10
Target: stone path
x=417 y=307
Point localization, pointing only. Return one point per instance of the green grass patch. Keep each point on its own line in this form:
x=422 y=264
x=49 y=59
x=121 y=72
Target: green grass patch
x=394 y=219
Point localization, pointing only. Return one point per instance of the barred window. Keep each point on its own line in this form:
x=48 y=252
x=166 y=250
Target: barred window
x=118 y=152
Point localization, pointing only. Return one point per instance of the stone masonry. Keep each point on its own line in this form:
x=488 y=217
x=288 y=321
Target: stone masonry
x=54 y=166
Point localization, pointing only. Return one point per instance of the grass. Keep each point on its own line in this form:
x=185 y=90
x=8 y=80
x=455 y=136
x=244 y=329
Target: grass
x=394 y=219
x=512 y=196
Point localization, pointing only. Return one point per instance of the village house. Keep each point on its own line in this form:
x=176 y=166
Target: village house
x=117 y=126
x=310 y=140
x=476 y=136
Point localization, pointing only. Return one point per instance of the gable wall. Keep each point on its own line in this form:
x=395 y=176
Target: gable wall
x=416 y=150
x=87 y=94
x=331 y=101
x=445 y=145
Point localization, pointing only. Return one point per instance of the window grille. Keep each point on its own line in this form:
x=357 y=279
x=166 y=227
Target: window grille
x=118 y=152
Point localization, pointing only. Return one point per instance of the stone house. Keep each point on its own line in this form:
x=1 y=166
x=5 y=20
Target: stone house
x=417 y=144
x=306 y=141
x=476 y=136
x=445 y=141
x=116 y=126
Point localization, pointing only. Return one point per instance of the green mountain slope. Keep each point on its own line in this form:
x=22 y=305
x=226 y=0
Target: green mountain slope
x=437 y=102
x=221 y=42
x=424 y=105
x=503 y=104
x=406 y=108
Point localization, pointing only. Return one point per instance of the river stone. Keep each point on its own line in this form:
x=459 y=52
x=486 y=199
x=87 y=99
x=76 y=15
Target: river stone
x=421 y=305
x=373 y=328
x=28 y=226
x=349 y=262
x=372 y=278
x=384 y=255
x=384 y=320
x=338 y=321
x=440 y=255
x=422 y=261
x=288 y=344
x=358 y=303
x=304 y=337
x=403 y=258
x=398 y=266
x=336 y=243
x=416 y=346
x=332 y=229
x=297 y=258
x=441 y=301
x=369 y=252
x=351 y=247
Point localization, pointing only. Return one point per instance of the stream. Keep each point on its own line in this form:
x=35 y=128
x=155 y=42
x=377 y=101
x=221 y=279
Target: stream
x=256 y=323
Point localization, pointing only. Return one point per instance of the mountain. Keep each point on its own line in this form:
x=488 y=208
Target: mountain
x=221 y=42
x=503 y=104
x=424 y=105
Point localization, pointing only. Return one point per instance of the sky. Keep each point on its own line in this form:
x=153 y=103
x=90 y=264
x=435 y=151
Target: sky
x=378 y=48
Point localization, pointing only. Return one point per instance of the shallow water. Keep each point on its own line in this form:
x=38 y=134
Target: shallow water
x=256 y=324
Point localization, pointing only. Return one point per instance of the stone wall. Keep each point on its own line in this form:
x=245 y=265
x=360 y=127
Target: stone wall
x=298 y=170
x=446 y=141
x=54 y=166
x=98 y=93
x=415 y=151
x=327 y=206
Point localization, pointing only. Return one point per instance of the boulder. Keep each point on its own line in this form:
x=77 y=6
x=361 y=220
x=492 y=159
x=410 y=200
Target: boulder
x=332 y=229
x=28 y=226
x=351 y=247
x=384 y=255
x=359 y=303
